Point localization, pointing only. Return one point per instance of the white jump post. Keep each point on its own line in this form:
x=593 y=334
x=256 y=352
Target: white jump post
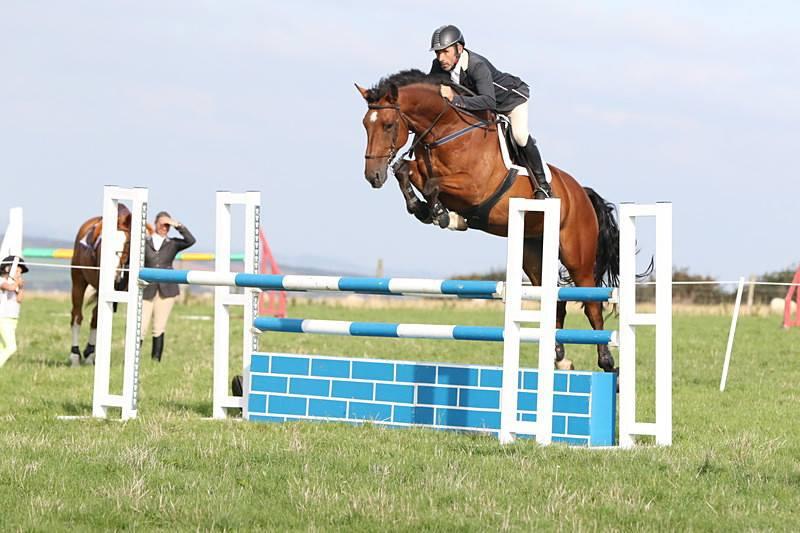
x=629 y=320
x=515 y=316
x=106 y=296
x=224 y=297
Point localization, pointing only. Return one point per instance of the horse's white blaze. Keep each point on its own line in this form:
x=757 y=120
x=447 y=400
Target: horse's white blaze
x=373 y=117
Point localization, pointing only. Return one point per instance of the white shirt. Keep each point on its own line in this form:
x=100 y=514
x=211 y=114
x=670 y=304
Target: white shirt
x=455 y=74
x=158 y=240
x=9 y=306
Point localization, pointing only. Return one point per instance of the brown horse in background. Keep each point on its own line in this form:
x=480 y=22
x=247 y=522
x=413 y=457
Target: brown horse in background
x=86 y=273
x=468 y=169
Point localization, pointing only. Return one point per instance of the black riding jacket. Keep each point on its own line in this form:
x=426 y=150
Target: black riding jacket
x=496 y=91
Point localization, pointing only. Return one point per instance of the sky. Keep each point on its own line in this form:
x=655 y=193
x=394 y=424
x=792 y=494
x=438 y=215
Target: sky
x=690 y=102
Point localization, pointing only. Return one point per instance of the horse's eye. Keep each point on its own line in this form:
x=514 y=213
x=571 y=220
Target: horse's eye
x=388 y=126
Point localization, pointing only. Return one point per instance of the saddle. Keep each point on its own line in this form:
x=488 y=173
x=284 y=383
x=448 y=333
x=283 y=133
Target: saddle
x=512 y=154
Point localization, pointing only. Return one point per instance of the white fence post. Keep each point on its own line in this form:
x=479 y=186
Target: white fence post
x=629 y=319
x=224 y=298
x=515 y=316
x=106 y=296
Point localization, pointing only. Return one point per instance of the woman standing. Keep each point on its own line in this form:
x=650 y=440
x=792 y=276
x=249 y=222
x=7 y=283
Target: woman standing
x=159 y=252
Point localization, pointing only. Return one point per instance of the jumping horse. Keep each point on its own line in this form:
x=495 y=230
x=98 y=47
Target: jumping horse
x=86 y=273
x=458 y=166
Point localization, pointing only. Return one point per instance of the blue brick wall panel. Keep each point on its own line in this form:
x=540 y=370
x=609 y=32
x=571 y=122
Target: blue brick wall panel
x=572 y=441
x=446 y=396
x=370 y=411
x=491 y=378
x=526 y=401
x=484 y=399
x=563 y=403
x=353 y=389
x=330 y=368
x=530 y=380
x=577 y=425
x=373 y=371
x=437 y=395
x=413 y=415
x=259 y=363
x=453 y=375
x=287 y=405
x=385 y=392
x=290 y=365
x=467 y=418
x=604 y=409
x=416 y=373
x=268 y=383
x=560 y=382
x=310 y=387
x=262 y=418
x=580 y=383
x=257 y=403
x=559 y=424
x=327 y=408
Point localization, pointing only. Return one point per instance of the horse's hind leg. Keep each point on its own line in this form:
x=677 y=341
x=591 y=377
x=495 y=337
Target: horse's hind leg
x=76 y=316
x=532 y=265
x=594 y=312
x=88 y=352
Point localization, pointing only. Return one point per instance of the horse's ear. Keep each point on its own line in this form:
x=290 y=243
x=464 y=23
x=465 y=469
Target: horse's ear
x=392 y=94
x=364 y=92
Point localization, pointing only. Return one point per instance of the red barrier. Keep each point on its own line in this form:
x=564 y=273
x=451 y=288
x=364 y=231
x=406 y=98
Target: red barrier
x=794 y=290
x=270 y=303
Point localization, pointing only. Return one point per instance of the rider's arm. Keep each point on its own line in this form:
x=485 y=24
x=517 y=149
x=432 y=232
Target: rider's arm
x=485 y=99
x=186 y=240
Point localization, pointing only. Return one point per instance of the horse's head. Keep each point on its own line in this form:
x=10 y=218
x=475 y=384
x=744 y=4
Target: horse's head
x=387 y=132
x=122 y=246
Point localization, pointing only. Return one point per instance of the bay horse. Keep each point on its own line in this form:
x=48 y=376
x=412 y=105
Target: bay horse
x=458 y=165
x=85 y=273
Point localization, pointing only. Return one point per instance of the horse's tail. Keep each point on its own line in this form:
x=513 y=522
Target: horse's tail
x=606 y=264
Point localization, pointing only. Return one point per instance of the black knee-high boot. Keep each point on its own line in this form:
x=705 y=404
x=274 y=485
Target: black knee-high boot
x=158 y=347
x=536 y=166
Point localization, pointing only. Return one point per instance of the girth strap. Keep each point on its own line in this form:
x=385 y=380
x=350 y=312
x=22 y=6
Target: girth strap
x=478 y=216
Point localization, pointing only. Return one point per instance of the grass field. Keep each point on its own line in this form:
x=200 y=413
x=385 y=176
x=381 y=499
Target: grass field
x=735 y=463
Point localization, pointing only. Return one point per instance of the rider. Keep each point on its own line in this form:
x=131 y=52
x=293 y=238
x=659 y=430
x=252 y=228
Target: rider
x=494 y=91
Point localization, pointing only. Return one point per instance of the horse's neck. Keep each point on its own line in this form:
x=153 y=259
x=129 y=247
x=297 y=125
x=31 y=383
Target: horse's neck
x=423 y=104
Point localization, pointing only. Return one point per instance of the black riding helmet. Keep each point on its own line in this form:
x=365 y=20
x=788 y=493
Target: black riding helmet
x=6 y=264
x=445 y=36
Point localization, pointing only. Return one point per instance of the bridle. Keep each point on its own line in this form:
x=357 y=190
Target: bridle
x=393 y=148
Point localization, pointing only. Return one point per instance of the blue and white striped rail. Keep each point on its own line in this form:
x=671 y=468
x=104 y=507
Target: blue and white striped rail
x=390 y=286
x=425 y=331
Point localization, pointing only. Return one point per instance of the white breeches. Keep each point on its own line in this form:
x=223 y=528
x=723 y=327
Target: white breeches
x=519 y=124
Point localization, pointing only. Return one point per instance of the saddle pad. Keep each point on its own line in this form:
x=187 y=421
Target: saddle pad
x=507 y=158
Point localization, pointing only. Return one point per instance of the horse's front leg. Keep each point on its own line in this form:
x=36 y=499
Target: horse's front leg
x=402 y=171
x=439 y=213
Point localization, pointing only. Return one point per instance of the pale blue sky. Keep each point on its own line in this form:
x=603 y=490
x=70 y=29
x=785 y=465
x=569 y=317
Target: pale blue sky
x=693 y=102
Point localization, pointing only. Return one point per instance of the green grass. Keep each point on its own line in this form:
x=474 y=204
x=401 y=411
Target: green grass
x=734 y=465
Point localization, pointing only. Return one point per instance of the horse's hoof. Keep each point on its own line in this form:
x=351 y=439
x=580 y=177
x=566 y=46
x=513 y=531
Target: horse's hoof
x=89 y=360
x=565 y=364
x=74 y=360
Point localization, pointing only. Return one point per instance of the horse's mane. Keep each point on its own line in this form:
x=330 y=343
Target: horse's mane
x=401 y=79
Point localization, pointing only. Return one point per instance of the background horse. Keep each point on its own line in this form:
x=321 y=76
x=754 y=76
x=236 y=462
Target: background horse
x=86 y=253
x=458 y=163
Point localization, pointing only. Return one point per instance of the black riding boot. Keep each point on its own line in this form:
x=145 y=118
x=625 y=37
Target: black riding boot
x=536 y=165
x=158 y=347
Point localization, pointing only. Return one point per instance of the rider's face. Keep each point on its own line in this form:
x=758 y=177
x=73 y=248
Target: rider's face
x=448 y=57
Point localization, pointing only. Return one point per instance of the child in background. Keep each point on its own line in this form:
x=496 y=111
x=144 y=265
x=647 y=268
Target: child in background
x=11 y=294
